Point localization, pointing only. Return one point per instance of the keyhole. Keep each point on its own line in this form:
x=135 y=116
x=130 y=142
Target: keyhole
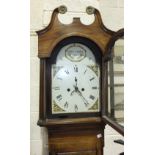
x=68 y=90
x=82 y=89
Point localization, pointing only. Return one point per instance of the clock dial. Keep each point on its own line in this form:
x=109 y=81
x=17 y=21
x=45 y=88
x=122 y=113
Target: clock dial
x=75 y=84
x=75 y=91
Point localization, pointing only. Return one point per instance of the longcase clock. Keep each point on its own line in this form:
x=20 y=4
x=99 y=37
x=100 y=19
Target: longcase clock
x=73 y=84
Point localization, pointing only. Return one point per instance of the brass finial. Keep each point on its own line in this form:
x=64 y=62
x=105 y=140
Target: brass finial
x=62 y=9
x=90 y=10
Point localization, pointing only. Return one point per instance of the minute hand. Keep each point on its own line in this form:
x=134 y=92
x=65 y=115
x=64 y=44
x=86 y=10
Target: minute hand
x=85 y=101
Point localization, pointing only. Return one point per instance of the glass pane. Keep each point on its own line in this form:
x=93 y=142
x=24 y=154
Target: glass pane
x=116 y=83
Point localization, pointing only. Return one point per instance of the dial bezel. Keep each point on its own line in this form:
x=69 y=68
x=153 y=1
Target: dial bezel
x=52 y=60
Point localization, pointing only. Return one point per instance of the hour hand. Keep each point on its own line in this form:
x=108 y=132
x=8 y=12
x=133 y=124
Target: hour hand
x=75 y=90
x=72 y=92
x=76 y=81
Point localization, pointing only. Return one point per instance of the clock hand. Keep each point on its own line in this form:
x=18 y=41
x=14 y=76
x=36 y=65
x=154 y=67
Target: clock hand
x=79 y=93
x=85 y=101
x=75 y=87
x=75 y=90
x=75 y=81
x=72 y=92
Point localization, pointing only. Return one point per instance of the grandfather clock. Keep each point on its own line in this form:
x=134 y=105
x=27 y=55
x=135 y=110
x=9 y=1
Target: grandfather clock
x=73 y=84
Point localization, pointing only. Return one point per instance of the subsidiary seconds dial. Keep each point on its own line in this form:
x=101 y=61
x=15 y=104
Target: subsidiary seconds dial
x=75 y=89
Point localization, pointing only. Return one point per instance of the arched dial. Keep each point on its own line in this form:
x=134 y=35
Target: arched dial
x=75 y=84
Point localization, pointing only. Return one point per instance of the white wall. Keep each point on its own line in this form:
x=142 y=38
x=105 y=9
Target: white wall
x=112 y=15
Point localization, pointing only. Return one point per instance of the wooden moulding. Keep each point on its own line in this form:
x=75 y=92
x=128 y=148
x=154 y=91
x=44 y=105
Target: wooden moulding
x=108 y=51
x=49 y=37
x=71 y=121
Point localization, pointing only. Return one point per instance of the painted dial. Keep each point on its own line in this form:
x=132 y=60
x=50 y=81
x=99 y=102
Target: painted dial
x=75 y=84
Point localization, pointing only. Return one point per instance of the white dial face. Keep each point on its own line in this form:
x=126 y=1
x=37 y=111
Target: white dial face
x=75 y=81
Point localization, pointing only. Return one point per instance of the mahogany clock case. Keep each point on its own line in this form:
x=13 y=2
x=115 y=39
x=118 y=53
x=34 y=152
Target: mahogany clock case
x=52 y=60
x=74 y=133
x=100 y=40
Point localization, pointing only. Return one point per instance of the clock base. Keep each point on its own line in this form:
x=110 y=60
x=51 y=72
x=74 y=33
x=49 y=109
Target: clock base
x=76 y=140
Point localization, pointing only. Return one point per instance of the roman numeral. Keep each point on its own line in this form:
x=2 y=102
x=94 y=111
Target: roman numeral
x=92 y=97
x=59 y=78
x=92 y=78
x=76 y=108
x=66 y=71
x=66 y=105
x=59 y=97
x=76 y=68
x=94 y=87
x=86 y=104
x=56 y=88
x=85 y=71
